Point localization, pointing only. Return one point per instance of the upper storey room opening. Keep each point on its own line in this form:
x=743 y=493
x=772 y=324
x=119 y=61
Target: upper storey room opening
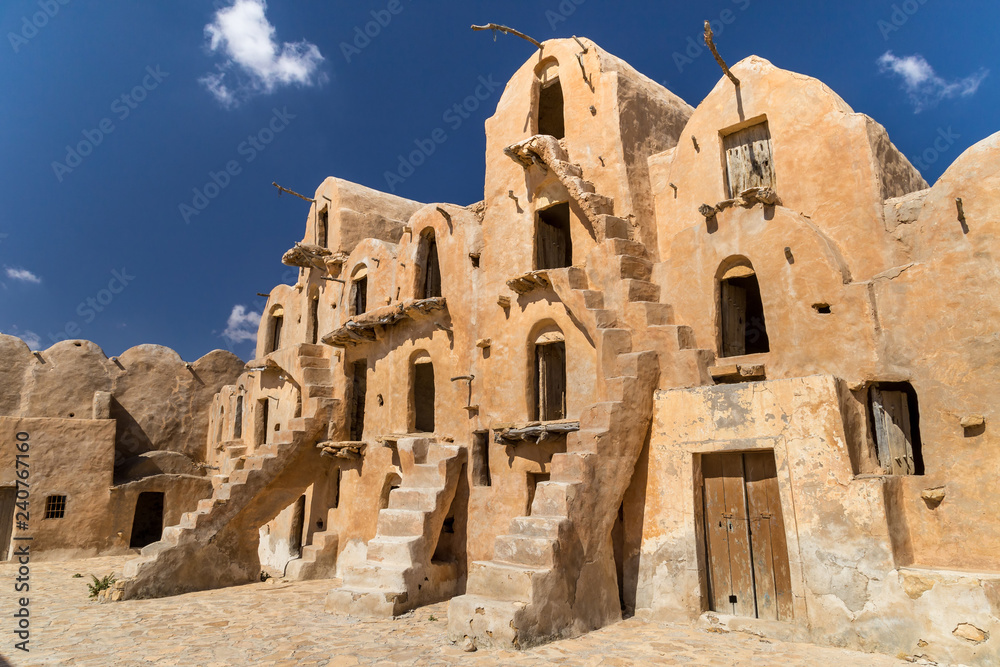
x=553 y=241
x=550 y=119
x=748 y=154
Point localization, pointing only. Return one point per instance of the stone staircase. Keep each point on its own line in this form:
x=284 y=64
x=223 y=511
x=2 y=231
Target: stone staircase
x=399 y=573
x=547 y=150
x=553 y=574
x=318 y=559
x=216 y=545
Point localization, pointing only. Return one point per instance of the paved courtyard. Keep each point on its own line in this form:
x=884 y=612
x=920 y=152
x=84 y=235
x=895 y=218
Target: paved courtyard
x=280 y=623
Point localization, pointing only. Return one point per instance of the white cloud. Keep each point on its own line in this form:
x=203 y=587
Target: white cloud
x=33 y=340
x=242 y=325
x=923 y=85
x=255 y=63
x=23 y=275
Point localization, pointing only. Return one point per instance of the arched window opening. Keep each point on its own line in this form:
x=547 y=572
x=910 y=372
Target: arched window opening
x=423 y=396
x=550 y=377
x=743 y=330
x=430 y=278
x=359 y=291
x=553 y=243
x=550 y=102
x=274 y=333
x=895 y=421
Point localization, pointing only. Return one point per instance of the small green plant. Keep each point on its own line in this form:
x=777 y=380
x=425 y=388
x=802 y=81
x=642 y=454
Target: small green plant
x=432 y=618
x=78 y=576
x=101 y=584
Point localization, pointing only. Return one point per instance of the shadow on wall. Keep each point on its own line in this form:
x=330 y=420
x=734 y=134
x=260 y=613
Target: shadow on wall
x=130 y=438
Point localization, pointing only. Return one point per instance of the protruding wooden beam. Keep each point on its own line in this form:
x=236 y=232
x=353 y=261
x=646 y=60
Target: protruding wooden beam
x=718 y=58
x=496 y=27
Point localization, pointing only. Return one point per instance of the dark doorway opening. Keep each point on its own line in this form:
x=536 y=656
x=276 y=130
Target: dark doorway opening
x=359 y=295
x=553 y=242
x=147 y=523
x=550 y=381
x=551 y=120
x=423 y=396
x=431 y=279
x=359 y=387
x=743 y=327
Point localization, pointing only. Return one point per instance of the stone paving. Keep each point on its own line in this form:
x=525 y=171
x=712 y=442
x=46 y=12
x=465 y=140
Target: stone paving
x=283 y=623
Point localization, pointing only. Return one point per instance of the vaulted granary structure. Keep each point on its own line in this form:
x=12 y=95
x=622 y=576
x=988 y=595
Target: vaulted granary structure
x=735 y=363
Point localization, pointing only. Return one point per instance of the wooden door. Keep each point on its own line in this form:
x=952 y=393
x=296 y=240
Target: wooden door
x=734 y=313
x=745 y=537
x=748 y=159
x=8 y=495
x=772 y=578
x=893 y=439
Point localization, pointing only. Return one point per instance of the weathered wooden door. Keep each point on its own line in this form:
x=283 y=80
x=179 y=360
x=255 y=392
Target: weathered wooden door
x=748 y=159
x=893 y=439
x=745 y=536
x=734 y=313
x=8 y=495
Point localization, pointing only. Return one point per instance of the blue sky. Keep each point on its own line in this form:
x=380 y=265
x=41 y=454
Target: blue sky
x=99 y=246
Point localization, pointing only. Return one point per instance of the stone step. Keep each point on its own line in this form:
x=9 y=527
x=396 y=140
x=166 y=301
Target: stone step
x=401 y=523
x=572 y=466
x=602 y=415
x=437 y=453
x=538 y=552
x=314 y=362
x=605 y=319
x=682 y=334
x=400 y=551
x=600 y=204
x=589 y=440
x=317 y=391
x=284 y=437
x=423 y=499
x=577 y=277
x=493 y=623
x=425 y=475
x=312 y=350
x=614 y=227
x=593 y=299
x=502 y=581
x=637 y=268
x=539 y=526
x=622 y=246
x=614 y=342
x=641 y=290
x=652 y=313
x=630 y=365
x=206 y=504
x=312 y=375
x=377 y=576
x=551 y=499
x=359 y=601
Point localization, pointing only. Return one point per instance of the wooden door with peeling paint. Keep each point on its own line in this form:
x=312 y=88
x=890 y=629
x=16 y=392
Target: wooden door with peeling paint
x=745 y=537
x=748 y=159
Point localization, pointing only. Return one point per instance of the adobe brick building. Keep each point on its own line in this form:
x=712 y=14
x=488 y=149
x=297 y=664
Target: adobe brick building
x=736 y=363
